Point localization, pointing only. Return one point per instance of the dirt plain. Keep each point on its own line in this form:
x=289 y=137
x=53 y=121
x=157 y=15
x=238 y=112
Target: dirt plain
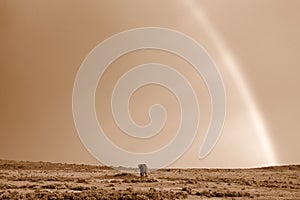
x=44 y=180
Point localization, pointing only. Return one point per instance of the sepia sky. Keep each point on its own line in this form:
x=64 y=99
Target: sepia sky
x=254 y=44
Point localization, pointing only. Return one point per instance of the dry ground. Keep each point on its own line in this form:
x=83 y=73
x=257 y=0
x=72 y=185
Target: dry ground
x=32 y=180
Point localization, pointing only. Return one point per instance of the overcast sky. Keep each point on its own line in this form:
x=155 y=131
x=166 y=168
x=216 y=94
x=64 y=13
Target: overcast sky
x=254 y=44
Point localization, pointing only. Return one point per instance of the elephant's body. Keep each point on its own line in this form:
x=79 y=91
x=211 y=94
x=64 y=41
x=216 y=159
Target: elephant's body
x=143 y=169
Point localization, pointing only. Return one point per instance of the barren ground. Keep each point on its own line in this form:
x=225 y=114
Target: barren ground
x=32 y=180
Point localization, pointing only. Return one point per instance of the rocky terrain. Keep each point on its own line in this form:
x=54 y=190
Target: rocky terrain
x=34 y=180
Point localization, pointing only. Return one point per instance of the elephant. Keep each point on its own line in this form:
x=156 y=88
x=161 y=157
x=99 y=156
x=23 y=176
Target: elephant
x=143 y=169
